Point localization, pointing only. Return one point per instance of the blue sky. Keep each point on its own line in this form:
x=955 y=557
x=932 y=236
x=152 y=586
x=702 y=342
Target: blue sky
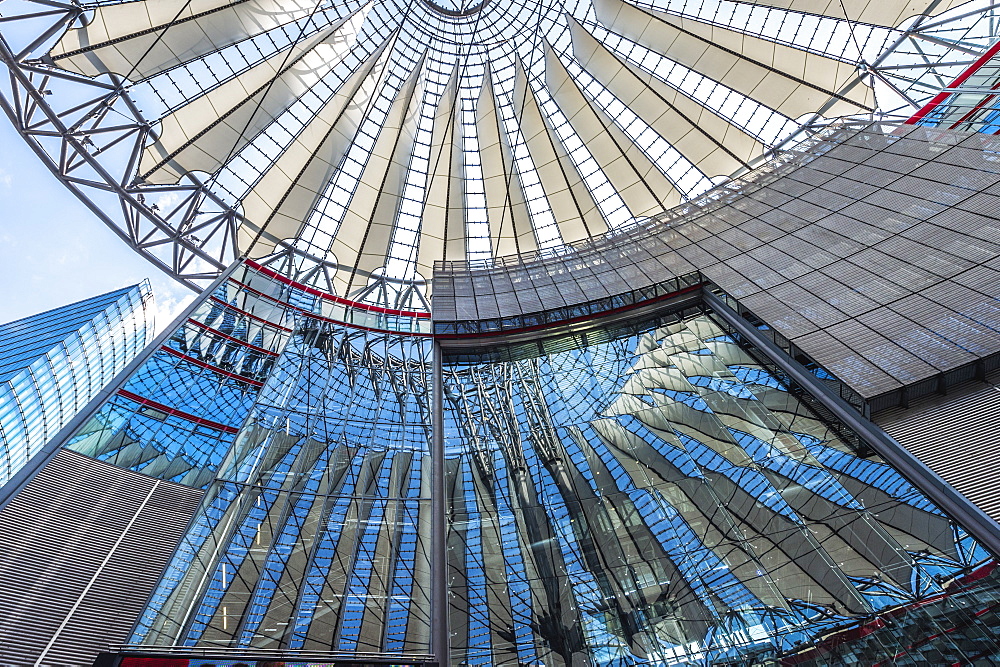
x=53 y=251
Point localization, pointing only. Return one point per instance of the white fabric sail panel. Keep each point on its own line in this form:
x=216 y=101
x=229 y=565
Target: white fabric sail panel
x=140 y=39
x=204 y=133
x=510 y=223
x=278 y=205
x=671 y=414
x=887 y=13
x=574 y=209
x=713 y=144
x=363 y=237
x=640 y=183
x=791 y=81
x=645 y=381
x=442 y=223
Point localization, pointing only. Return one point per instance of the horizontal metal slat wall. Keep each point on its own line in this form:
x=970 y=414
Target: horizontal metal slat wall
x=85 y=543
x=958 y=437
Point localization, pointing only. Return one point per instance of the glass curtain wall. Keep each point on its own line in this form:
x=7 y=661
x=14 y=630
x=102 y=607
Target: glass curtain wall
x=178 y=414
x=315 y=527
x=646 y=493
x=53 y=363
x=653 y=495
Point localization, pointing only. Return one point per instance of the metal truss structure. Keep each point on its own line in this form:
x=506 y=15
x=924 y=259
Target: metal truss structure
x=91 y=132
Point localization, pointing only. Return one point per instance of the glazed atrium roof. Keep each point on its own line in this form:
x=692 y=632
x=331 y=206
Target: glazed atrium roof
x=377 y=137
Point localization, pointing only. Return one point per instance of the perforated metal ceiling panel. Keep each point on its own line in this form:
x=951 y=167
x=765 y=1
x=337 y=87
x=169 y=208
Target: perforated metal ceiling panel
x=876 y=251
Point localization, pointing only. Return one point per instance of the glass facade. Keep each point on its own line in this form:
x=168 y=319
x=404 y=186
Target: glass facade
x=647 y=493
x=53 y=363
x=655 y=495
x=178 y=414
x=313 y=534
x=593 y=490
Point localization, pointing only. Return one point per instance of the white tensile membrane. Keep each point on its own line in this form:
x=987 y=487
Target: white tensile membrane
x=510 y=64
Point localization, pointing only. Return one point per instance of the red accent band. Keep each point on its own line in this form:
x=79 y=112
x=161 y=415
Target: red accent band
x=322 y=318
x=176 y=413
x=211 y=367
x=826 y=644
x=330 y=297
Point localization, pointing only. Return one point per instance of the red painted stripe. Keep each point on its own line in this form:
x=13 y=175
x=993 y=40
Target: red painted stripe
x=204 y=326
x=325 y=319
x=211 y=367
x=573 y=320
x=972 y=112
x=330 y=297
x=174 y=412
x=250 y=315
x=959 y=80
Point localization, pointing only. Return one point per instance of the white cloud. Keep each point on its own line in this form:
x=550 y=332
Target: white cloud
x=169 y=299
x=166 y=201
x=168 y=307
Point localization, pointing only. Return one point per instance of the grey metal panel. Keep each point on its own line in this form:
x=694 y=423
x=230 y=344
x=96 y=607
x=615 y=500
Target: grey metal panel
x=937 y=427
x=85 y=542
x=833 y=238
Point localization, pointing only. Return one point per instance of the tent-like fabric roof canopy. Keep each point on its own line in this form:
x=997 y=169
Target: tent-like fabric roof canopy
x=382 y=135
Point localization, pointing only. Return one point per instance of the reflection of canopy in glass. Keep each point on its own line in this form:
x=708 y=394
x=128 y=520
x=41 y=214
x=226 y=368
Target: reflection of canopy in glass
x=650 y=492
x=690 y=507
x=385 y=136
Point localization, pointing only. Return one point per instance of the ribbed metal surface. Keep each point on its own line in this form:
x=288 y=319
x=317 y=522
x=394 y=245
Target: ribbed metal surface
x=874 y=250
x=84 y=544
x=958 y=437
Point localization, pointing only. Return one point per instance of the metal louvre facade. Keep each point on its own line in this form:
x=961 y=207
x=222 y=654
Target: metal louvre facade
x=52 y=364
x=85 y=544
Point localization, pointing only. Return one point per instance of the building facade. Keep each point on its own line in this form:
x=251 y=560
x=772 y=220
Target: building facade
x=634 y=477
x=548 y=334
x=53 y=363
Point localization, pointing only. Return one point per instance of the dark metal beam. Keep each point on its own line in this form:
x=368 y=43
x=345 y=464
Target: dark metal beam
x=440 y=636
x=953 y=503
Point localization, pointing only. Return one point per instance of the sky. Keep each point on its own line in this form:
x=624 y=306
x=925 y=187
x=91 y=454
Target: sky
x=53 y=251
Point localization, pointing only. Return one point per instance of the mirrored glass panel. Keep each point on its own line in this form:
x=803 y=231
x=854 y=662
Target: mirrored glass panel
x=654 y=495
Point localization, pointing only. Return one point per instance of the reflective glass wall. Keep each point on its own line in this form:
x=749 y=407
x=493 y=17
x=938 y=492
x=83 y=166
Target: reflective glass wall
x=54 y=363
x=314 y=531
x=653 y=495
x=177 y=415
x=642 y=493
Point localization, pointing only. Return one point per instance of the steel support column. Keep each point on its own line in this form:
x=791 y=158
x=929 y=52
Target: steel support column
x=440 y=637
